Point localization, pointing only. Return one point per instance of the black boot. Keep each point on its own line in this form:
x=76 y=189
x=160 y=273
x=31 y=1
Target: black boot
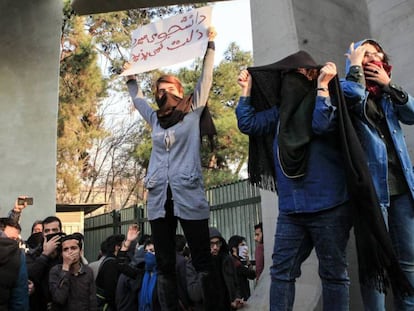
x=167 y=292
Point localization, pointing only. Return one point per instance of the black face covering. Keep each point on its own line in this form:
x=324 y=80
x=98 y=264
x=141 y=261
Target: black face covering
x=266 y=93
x=172 y=109
x=167 y=98
x=161 y=100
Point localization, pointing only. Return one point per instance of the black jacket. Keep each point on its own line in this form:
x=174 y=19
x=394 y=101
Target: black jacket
x=9 y=269
x=244 y=274
x=38 y=267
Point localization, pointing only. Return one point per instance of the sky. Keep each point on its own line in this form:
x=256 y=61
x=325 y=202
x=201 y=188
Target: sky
x=232 y=22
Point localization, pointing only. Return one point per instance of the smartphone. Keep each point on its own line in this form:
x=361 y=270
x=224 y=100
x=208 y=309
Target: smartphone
x=60 y=234
x=242 y=251
x=21 y=201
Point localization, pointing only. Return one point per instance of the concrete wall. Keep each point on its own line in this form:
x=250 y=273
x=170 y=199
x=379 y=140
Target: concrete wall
x=324 y=28
x=392 y=23
x=29 y=67
x=308 y=287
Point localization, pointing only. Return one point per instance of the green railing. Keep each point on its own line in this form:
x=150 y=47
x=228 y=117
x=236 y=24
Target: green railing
x=235 y=209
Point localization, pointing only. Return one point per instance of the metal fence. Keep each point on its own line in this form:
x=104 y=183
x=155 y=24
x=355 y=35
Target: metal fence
x=234 y=209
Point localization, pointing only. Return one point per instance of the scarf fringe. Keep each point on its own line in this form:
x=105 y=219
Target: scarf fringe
x=264 y=182
x=382 y=282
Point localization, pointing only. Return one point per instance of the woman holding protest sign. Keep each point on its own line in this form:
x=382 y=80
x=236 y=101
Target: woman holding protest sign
x=174 y=178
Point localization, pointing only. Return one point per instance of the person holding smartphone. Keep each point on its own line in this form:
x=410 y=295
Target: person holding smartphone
x=20 y=204
x=40 y=263
x=245 y=271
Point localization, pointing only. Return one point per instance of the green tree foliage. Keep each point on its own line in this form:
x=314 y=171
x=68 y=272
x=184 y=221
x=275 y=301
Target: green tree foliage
x=96 y=162
x=81 y=87
x=224 y=164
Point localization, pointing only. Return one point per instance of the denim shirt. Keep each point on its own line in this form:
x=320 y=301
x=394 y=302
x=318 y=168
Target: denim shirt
x=175 y=156
x=373 y=145
x=323 y=186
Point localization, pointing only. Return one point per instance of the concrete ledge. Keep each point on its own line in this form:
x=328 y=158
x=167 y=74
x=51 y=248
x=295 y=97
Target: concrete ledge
x=84 y=7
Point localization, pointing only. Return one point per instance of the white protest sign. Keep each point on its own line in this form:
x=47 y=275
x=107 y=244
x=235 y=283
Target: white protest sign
x=170 y=41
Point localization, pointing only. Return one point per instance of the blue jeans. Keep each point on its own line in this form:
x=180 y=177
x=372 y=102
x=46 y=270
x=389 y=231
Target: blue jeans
x=296 y=235
x=399 y=217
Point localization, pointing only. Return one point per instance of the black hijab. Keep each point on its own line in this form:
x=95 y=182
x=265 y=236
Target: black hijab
x=173 y=109
x=269 y=82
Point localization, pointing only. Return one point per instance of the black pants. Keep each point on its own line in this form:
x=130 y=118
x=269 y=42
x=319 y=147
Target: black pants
x=163 y=235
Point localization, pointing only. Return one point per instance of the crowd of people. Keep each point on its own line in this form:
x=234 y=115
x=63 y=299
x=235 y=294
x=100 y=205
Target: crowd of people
x=332 y=148
x=49 y=272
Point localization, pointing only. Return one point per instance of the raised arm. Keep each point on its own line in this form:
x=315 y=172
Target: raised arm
x=204 y=83
x=249 y=121
x=324 y=114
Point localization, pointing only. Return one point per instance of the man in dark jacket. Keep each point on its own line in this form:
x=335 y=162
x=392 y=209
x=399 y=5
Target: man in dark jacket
x=108 y=274
x=13 y=272
x=116 y=262
x=259 y=250
x=71 y=283
x=40 y=263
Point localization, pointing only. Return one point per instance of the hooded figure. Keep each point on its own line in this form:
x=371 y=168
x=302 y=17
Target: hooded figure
x=223 y=277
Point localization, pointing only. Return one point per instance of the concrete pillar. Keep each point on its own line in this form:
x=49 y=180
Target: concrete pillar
x=392 y=24
x=29 y=71
x=259 y=300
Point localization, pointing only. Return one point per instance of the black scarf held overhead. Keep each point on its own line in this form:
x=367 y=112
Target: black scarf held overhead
x=267 y=92
x=377 y=263
x=173 y=109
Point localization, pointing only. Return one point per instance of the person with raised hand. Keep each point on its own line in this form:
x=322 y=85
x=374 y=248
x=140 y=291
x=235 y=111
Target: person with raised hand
x=378 y=107
x=174 y=177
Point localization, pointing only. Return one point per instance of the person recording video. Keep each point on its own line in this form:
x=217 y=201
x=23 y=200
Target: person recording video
x=40 y=263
